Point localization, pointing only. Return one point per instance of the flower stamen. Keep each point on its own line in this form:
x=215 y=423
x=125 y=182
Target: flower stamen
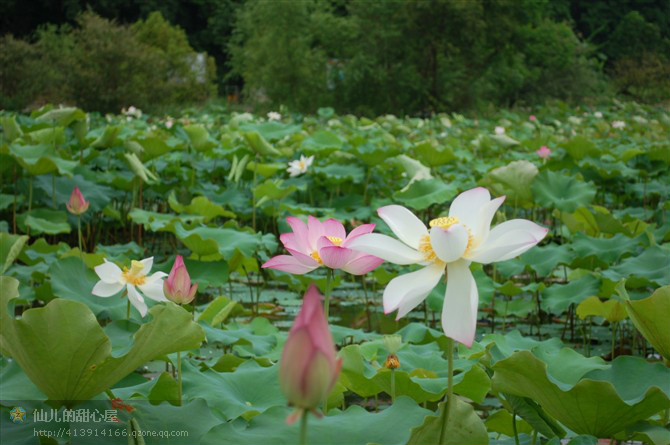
x=335 y=240
x=444 y=222
x=134 y=275
x=316 y=257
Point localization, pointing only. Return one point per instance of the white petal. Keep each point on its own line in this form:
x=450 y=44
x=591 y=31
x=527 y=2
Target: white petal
x=467 y=206
x=103 y=289
x=406 y=226
x=155 y=276
x=148 y=264
x=109 y=272
x=507 y=240
x=449 y=245
x=153 y=289
x=459 y=311
x=486 y=214
x=408 y=290
x=387 y=248
x=136 y=300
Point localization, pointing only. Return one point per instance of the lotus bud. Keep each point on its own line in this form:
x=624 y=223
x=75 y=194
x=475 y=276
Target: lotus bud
x=177 y=287
x=544 y=152
x=392 y=362
x=309 y=367
x=77 y=204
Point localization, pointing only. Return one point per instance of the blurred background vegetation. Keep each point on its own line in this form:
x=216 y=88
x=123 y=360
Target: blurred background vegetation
x=364 y=57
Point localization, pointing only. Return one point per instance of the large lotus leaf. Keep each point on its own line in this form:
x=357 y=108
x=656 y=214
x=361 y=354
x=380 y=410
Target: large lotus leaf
x=604 y=251
x=566 y=193
x=65 y=352
x=601 y=402
x=611 y=310
x=580 y=146
x=322 y=142
x=501 y=422
x=272 y=190
x=557 y=298
x=651 y=266
x=464 y=427
x=513 y=180
x=263 y=169
x=424 y=193
x=51 y=136
x=208 y=241
x=155 y=221
x=374 y=154
x=651 y=317
x=10 y=248
x=250 y=390
x=258 y=144
x=10 y=129
x=272 y=130
x=432 y=154
x=339 y=173
x=355 y=426
x=105 y=137
x=199 y=137
x=63 y=116
x=153 y=145
x=199 y=205
x=46 y=221
x=414 y=169
x=208 y=273
x=97 y=194
x=544 y=259
x=41 y=159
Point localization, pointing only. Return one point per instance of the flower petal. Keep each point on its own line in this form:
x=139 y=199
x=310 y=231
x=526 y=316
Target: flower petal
x=300 y=231
x=154 y=290
x=358 y=231
x=486 y=214
x=136 y=300
x=306 y=260
x=409 y=290
x=315 y=231
x=449 y=244
x=387 y=248
x=103 y=289
x=459 y=311
x=148 y=264
x=109 y=272
x=337 y=257
x=288 y=263
x=362 y=265
x=507 y=240
x=406 y=226
x=333 y=227
x=467 y=206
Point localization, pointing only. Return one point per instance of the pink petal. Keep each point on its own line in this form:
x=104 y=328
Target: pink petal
x=287 y=263
x=358 y=231
x=362 y=265
x=333 y=227
x=336 y=257
x=307 y=260
x=290 y=241
x=315 y=231
x=301 y=233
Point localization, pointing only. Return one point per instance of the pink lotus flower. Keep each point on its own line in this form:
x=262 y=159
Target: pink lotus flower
x=77 y=204
x=544 y=152
x=309 y=366
x=532 y=118
x=177 y=287
x=324 y=243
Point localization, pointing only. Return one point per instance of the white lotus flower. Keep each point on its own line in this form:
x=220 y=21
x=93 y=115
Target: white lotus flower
x=452 y=243
x=618 y=124
x=113 y=280
x=274 y=116
x=298 y=167
x=499 y=130
x=598 y=114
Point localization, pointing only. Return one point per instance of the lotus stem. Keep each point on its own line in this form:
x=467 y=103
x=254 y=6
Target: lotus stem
x=450 y=391
x=392 y=385
x=128 y=309
x=326 y=300
x=516 y=433
x=303 y=428
x=53 y=190
x=179 y=390
x=81 y=252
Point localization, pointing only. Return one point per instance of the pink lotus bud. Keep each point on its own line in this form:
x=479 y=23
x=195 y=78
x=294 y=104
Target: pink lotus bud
x=177 y=287
x=77 y=204
x=532 y=118
x=309 y=366
x=544 y=152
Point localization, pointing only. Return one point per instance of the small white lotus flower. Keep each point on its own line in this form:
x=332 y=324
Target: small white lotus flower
x=132 y=112
x=299 y=166
x=169 y=123
x=113 y=280
x=500 y=130
x=451 y=244
x=598 y=114
x=274 y=116
x=618 y=124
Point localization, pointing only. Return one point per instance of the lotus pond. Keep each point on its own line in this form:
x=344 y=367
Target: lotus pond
x=499 y=279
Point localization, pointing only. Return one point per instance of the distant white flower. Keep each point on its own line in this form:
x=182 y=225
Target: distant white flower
x=113 y=280
x=598 y=114
x=574 y=120
x=500 y=130
x=618 y=124
x=274 y=116
x=169 y=123
x=132 y=112
x=299 y=166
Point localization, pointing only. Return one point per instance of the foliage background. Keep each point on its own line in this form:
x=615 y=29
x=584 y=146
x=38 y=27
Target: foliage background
x=359 y=56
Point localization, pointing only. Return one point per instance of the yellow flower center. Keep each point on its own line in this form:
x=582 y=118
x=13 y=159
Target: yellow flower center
x=134 y=275
x=444 y=222
x=427 y=249
x=301 y=164
x=335 y=240
x=316 y=256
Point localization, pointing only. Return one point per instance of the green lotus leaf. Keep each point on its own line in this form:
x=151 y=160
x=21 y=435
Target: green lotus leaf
x=424 y=193
x=599 y=402
x=155 y=221
x=432 y=154
x=580 y=147
x=501 y=422
x=265 y=170
x=258 y=144
x=611 y=310
x=62 y=116
x=10 y=249
x=105 y=137
x=322 y=142
x=210 y=241
x=199 y=137
x=651 y=266
x=513 y=180
x=339 y=173
x=651 y=317
x=273 y=130
x=463 y=427
x=46 y=221
x=565 y=193
x=41 y=159
x=601 y=251
x=200 y=205
x=10 y=129
x=74 y=362
x=51 y=136
x=557 y=298
x=390 y=427
x=545 y=259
